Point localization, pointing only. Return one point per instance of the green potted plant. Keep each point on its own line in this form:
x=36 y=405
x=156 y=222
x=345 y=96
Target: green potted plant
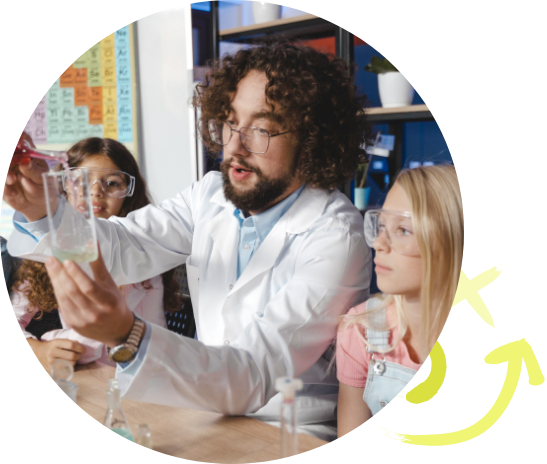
x=394 y=89
x=360 y=192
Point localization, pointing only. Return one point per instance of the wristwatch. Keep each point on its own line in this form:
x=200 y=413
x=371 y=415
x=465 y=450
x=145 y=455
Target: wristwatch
x=128 y=349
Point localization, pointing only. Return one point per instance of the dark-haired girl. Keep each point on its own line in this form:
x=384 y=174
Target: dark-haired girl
x=117 y=188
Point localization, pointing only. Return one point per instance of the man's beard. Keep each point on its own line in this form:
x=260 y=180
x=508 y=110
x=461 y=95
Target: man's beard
x=265 y=191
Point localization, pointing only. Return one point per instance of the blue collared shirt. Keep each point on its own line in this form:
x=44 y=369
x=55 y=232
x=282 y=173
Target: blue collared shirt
x=254 y=229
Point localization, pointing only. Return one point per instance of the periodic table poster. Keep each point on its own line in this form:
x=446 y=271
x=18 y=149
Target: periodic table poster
x=94 y=97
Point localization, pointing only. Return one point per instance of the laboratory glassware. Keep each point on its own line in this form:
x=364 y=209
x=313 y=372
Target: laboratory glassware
x=289 y=437
x=62 y=372
x=144 y=436
x=24 y=154
x=70 y=215
x=115 y=418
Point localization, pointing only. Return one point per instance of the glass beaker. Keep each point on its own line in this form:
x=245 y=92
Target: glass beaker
x=70 y=215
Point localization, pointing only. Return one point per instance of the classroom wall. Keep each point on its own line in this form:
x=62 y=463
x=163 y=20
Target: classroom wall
x=167 y=149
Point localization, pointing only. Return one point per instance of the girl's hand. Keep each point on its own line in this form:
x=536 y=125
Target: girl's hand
x=48 y=352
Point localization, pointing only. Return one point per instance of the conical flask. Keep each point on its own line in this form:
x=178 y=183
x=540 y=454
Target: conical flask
x=115 y=418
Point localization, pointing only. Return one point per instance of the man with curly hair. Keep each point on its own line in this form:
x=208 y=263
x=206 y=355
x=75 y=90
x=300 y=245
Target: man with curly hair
x=274 y=253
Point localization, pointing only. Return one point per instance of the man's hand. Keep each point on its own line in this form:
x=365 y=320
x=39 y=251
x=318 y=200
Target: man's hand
x=48 y=352
x=24 y=191
x=95 y=309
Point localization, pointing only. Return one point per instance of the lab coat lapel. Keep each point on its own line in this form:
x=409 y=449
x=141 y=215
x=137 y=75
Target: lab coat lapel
x=224 y=230
x=301 y=215
x=264 y=258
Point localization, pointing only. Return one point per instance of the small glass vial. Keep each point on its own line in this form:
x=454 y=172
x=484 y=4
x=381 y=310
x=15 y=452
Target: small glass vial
x=143 y=436
x=62 y=372
x=289 y=437
x=115 y=418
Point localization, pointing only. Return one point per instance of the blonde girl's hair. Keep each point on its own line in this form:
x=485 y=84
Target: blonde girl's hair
x=437 y=217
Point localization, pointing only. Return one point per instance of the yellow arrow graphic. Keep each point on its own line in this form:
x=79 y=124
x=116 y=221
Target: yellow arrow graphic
x=512 y=353
x=469 y=290
x=430 y=386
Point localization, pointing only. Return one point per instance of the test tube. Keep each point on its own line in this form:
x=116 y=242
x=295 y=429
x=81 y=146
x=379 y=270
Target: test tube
x=289 y=437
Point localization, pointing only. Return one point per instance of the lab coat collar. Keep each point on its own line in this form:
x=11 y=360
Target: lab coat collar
x=307 y=208
x=224 y=230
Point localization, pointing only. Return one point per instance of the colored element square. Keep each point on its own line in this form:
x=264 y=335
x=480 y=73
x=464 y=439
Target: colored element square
x=124 y=75
x=109 y=115
x=68 y=133
x=67 y=96
x=124 y=93
x=109 y=75
x=67 y=78
x=53 y=116
x=68 y=115
x=53 y=98
x=96 y=131
x=39 y=116
x=80 y=96
x=83 y=61
x=94 y=55
x=82 y=115
x=109 y=95
x=82 y=131
x=111 y=130
x=124 y=112
x=125 y=132
x=95 y=95
x=54 y=133
x=80 y=77
x=94 y=76
x=95 y=114
x=39 y=135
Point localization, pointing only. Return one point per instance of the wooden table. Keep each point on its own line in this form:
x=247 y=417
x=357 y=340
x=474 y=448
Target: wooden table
x=186 y=433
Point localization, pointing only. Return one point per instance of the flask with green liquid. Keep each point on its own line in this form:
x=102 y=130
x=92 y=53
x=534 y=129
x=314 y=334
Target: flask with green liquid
x=115 y=418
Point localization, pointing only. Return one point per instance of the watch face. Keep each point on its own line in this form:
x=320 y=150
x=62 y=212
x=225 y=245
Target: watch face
x=121 y=354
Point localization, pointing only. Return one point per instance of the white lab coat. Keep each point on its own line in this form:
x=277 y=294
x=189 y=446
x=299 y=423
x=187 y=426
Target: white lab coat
x=277 y=319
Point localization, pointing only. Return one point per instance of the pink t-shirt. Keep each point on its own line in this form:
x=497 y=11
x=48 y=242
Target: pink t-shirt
x=352 y=357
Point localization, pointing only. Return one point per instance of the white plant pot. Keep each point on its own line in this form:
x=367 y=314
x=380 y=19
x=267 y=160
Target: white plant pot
x=264 y=12
x=394 y=90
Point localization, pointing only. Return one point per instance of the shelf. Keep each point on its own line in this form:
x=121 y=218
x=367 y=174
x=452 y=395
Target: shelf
x=401 y=113
x=309 y=21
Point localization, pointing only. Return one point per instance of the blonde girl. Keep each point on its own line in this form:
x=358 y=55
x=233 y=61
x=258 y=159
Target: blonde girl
x=381 y=343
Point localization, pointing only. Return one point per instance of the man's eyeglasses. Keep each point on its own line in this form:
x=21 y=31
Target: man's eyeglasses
x=116 y=184
x=254 y=139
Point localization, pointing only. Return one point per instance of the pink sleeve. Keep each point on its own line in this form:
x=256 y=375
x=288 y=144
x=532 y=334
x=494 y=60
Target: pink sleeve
x=93 y=348
x=20 y=307
x=352 y=359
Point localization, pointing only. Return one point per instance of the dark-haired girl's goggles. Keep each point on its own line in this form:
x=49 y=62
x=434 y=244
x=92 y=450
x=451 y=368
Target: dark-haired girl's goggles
x=116 y=184
x=254 y=139
x=397 y=227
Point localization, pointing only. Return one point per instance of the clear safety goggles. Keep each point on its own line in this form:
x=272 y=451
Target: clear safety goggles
x=116 y=184
x=397 y=229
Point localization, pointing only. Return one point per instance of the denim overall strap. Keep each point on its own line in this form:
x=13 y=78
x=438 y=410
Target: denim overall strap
x=385 y=379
